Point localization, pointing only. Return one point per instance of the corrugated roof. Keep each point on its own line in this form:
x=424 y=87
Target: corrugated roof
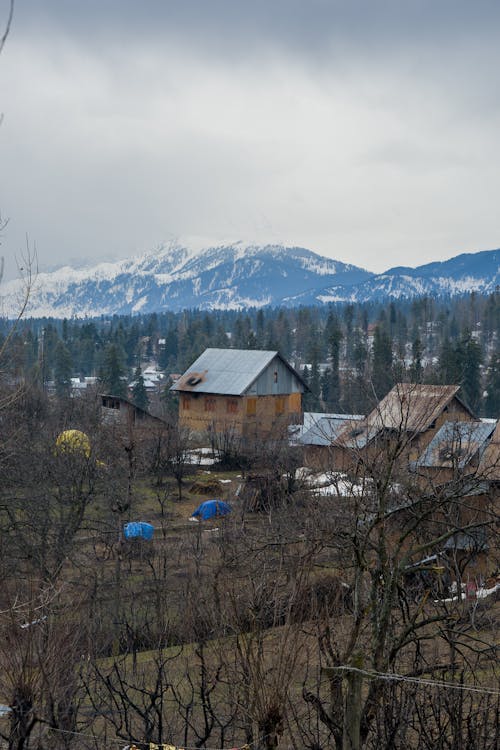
x=455 y=444
x=412 y=407
x=326 y=428
x=472 y=540
x=226 y=371
x=408 y=407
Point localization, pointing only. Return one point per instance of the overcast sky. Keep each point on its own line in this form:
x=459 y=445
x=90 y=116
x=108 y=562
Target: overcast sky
x=367 y=131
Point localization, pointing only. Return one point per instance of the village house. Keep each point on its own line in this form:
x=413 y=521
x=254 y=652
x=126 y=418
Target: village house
x=318 y=434
x=248 y=391
x=411 y=412
x=116 y=410
x=452 y=470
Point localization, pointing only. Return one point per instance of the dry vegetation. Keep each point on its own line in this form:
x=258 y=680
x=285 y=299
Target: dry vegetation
x=232 y=631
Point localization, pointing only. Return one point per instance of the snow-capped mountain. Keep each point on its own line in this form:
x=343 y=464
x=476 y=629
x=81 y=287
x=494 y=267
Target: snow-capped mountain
x=238 y=276
x=469 y=272
x=175 y=278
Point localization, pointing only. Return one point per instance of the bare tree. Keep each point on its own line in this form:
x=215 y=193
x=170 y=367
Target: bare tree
x=8 y=24
x=40 y=649
x=388 y=529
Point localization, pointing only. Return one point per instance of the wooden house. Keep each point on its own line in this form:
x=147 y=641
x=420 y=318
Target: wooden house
x=411 y=413
x=116 y=410
x=460 y=467
x=317 y=437
x=247 y=391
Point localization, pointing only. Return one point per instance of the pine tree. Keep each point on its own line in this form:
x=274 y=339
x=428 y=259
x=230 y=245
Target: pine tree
x=449 y=367
x=63 y=370
x=416 y=369
x=471 y=358
x=331 y=381
x=139 y=393
x=259 y=329
x=313 y=401
x=382 y=376
x=348 y=320
x=112 y=371
x=492 y=402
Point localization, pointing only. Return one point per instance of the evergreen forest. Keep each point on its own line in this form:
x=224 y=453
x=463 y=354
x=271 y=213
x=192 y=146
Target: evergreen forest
x=349 y=354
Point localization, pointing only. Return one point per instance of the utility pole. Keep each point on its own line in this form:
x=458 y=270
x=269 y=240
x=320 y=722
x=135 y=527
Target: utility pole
x=352 y=705
x=352 y=676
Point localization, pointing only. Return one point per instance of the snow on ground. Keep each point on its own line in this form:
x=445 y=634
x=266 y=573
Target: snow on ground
x=470 y=593
x=329 y=483
x=202 y=457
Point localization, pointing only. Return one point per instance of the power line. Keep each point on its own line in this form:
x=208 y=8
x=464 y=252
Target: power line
x=151 y=745
x=390 y=676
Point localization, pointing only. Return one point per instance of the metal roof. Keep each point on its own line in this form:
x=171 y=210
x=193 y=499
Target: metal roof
x=411 y=406
x=408 y=407
x=472 y=540
x=326 y=428
x=455 y=444
x=227 y=371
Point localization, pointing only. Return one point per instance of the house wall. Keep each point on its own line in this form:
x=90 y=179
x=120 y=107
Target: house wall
x=245 y=415
x=276 y=379
x=329 y=458
x=117 y=411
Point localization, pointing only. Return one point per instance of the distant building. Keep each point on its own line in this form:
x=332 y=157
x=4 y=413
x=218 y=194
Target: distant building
x=82 y=384
x=116 y=410
x=318 y=434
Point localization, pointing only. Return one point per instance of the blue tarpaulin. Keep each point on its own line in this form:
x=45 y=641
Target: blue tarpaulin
x=211 y=509
x=138 y=530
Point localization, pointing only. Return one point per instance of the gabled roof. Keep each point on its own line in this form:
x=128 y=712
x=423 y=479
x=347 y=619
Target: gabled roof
x=130 y=403
x=325 y=428
x=455 y=444
x=228 y=371
x=408 y=407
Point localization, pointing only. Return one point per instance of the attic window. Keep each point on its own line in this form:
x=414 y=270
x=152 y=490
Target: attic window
x=193 y=380
x=275 y=376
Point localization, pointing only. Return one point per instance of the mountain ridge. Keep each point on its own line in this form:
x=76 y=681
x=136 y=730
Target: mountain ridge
x=237 y=276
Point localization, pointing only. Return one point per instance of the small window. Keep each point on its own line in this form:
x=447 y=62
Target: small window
x=185 y=403
x=209 y=404
x=251 y=407
x=110 y=403
x=232 y=406
x=276 y=376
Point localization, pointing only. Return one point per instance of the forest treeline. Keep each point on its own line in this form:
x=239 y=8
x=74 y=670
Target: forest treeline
x=339 y=348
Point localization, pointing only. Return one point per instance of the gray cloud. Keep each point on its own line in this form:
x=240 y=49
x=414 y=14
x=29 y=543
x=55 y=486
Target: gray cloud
x=366 y=131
